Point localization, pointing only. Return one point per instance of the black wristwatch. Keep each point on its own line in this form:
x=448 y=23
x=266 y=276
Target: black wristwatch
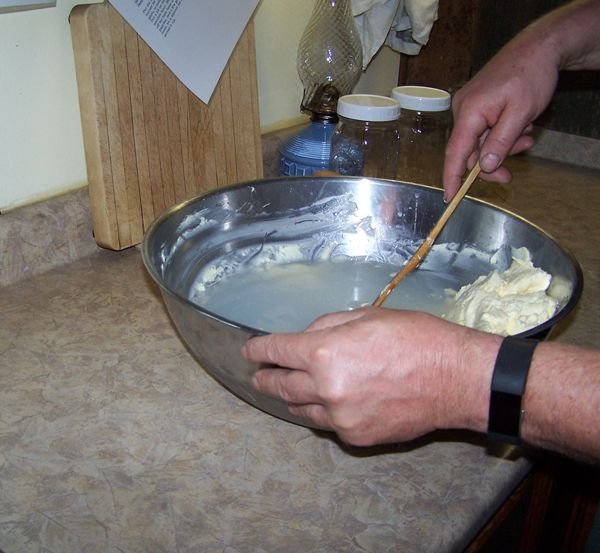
x=508 y=386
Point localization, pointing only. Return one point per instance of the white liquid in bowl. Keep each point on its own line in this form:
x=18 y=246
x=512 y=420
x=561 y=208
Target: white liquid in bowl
x=288 y=297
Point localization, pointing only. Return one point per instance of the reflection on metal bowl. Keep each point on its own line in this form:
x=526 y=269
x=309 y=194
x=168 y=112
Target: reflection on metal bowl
x=317 y=218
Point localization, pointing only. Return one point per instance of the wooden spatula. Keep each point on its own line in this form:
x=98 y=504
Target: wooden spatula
x=424 y=248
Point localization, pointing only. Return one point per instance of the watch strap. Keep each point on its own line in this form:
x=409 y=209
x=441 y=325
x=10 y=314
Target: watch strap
x=508 y=386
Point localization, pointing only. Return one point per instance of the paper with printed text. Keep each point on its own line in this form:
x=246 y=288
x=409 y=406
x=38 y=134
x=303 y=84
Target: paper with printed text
x=195 y=38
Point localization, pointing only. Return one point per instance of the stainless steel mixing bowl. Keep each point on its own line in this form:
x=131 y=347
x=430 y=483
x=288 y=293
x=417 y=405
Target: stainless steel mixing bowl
x=321 y=217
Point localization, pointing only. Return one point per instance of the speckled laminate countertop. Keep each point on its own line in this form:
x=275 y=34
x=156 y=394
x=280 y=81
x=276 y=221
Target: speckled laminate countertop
x=113 y=439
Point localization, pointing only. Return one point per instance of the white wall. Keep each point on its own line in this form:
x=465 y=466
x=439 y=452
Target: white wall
x=41 y=149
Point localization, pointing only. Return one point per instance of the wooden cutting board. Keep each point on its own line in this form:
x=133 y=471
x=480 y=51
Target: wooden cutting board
x=149 y=142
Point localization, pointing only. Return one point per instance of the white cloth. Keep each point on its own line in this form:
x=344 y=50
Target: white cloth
x=403 y=25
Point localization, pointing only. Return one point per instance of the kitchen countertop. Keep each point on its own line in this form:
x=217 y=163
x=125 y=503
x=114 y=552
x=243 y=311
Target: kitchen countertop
x=113 y=439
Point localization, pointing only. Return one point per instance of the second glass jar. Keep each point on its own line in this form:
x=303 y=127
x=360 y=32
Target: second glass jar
x=424 y=124
x=366 y=139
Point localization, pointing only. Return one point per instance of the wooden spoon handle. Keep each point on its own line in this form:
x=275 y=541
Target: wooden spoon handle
x=424 y=248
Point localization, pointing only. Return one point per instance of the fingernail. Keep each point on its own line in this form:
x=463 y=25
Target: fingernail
x=490 y=162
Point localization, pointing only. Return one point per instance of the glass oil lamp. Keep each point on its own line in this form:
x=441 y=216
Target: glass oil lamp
x=329 y=64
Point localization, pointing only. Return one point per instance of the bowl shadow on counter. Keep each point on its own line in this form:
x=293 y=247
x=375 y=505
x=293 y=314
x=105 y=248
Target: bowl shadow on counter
x=493 y=449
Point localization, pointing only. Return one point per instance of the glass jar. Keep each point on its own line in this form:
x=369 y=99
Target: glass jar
x=366 y=139
x=424 y=126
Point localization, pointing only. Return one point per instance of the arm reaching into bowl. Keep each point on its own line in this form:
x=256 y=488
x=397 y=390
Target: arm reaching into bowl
x=494 y=112
x=377 y=376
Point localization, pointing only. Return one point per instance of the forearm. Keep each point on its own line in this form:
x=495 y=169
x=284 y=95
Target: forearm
x=567 y=36
x=562 y=397
x=562 y=400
